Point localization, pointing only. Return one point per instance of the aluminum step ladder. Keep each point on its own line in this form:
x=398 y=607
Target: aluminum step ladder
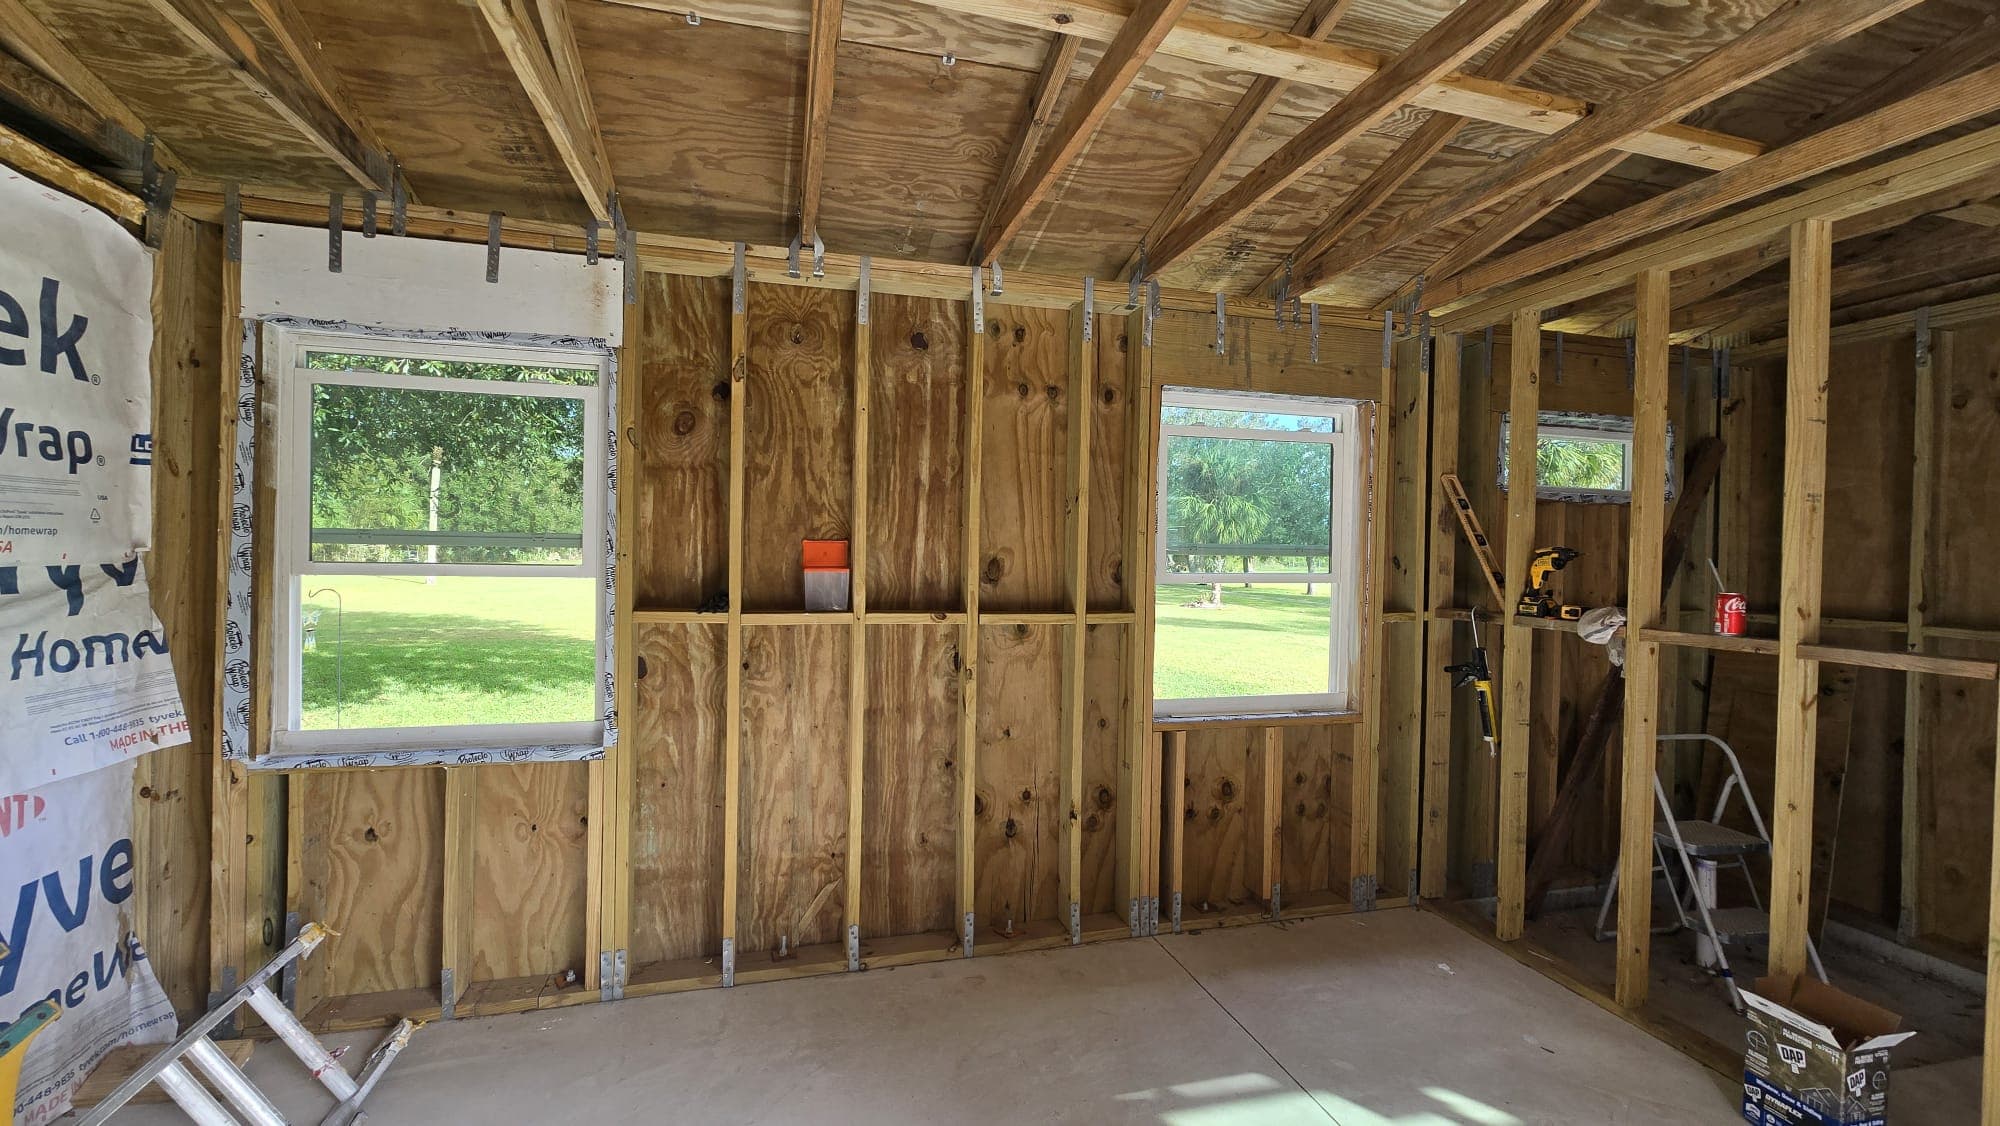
x=1717 y=845
x=169 y=1068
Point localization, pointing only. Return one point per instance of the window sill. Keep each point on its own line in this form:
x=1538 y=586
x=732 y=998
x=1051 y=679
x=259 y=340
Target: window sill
x=1255 y=719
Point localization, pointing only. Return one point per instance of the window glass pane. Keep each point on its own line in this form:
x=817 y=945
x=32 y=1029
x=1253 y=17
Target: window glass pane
x=416 y=477
x=1564 y=461
x=1246 y=420
x=453 y=369
x=386 y=652
x=1236 y=500
x=1231 y=640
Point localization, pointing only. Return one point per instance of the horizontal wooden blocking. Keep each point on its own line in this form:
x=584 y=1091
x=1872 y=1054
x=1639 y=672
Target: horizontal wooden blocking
x=915 y=452
x=528 y=871
x=680 y=468
x=800 y=439
x=908 y=828
x=677 y=819
x=1026 y=437
x=794 y=832
x=1017 y=813
x=372 y=857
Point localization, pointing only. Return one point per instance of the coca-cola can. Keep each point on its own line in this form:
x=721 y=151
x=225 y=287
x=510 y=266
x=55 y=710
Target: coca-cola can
x=1730 y=611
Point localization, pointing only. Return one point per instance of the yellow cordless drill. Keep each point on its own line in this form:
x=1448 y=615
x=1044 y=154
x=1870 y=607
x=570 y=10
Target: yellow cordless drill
x=1538 y=601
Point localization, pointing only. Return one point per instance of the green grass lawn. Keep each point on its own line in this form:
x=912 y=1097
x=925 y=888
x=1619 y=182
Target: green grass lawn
x=455 y=651
x=1262 y=641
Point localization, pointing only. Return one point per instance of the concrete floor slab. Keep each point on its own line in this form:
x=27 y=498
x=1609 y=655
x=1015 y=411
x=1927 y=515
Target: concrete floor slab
x=1348 y=1020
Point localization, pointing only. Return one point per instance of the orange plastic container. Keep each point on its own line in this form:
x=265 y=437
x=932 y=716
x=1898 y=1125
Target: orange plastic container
x=828 y=579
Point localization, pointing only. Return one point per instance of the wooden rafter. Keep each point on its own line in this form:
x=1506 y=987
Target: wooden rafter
x=303 y=94
x=32 y=42
x=1525 y=211
x=1976 y=46
x=1244 y=48
x=1039 y=116
x=1784 y=37
x=1550 y=26
x=1315 y=23
x=1938 y=108
x=1435 y=54
x=822 y=52
x=1932 y=170
x=1134 y=44
x=560 y=105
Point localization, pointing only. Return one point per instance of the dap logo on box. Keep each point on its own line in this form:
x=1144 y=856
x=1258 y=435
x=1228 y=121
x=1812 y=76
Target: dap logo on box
x=1793 y=1057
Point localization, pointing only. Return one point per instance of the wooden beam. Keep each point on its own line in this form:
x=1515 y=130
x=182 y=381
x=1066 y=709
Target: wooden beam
x=1135 y=43
x=1917 y=719
x=1989 y=1069
x=1861 y=191
x=24 y=154
x=971 y=443
x=1787 y=35
x=1644 y=580
x=306 y=100
x=1549 y=27
x=1076 y=536
x=1139 y=860
x=1804 y=544
x=822 y=53
x=1957 y=101
x=1435 y=54
x=1315 y=23
x=857 y=630
x=461 y=828
x=1240 y=47
x=1364 y=783
x=1433 y=852
x=1517 y=658
x=1039 y=115
x=558 y=105
x=732 y=693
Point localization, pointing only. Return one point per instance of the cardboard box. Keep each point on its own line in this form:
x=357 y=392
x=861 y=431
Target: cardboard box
x=1816 y=1055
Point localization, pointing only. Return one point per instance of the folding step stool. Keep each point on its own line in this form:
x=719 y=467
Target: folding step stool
x=1712 y=841
x=195 y=1047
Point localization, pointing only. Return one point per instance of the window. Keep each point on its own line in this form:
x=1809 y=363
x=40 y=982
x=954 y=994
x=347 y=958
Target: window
x=1255 y=607
x=441 y=508
x=1585 y=458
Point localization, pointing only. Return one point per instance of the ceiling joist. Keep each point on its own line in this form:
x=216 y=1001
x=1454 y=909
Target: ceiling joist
x=29 y=40
x=1435 y=54
x=1780 y=39
x=1954 y=102
x=823 y=51
x=1249 y=115
x=1549 y=27
x=303 y=94
x=1135 y=42
x=1935 y=169
x=1244 y=48
x=1040 y=115
x=560 y=104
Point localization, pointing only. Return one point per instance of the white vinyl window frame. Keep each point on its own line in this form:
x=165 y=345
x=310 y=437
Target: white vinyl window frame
x=1348 y=527
x=293 y=385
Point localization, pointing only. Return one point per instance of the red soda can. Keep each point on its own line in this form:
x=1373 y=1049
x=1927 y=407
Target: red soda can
x=1730 y=610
